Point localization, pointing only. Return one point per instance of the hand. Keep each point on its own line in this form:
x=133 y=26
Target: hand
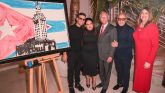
x=109 y=60
x=147 y=65
x=114 y=43
x=64 y=57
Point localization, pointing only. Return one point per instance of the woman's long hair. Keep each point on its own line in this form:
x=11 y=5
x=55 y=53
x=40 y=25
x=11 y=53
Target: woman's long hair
x=150 y=19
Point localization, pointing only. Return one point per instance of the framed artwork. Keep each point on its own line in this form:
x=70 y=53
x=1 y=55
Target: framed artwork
x=30 y=29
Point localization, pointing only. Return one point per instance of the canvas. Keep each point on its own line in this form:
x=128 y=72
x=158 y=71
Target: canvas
x=29 y=28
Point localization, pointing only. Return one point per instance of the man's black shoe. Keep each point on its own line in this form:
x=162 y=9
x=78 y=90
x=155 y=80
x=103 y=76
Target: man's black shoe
x=79 y=87
x=124 y=90
x=71 y=90
x=103 y=91
x=99 y=85
x=117 y=86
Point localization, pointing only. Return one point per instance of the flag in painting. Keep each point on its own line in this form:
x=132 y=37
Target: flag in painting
x=15 y=29
x=16 y=24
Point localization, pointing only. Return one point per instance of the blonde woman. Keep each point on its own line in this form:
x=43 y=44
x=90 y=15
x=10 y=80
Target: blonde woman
x=146 y=46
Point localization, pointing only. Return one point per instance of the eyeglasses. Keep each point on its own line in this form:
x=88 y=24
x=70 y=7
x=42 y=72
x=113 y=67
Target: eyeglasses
x=81 y=18
x=121 y=19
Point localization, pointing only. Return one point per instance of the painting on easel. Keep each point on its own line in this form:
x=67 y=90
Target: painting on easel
x=31 y=28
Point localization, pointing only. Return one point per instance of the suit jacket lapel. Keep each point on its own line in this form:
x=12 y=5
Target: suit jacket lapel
x=99 y=37
x=99 y=28
x=105 y=30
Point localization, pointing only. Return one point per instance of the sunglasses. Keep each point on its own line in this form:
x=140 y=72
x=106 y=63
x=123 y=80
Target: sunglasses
x=121 y=19
x=81 y=18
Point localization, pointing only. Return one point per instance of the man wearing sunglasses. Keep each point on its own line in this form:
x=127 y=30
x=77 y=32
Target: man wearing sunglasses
x=73 y=56
x=123 y=53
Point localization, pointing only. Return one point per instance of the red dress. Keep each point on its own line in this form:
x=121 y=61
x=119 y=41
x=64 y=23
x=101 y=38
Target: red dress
x=146 y=46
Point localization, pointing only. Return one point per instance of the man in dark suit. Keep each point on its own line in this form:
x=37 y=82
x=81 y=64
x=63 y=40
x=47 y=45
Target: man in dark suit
x=123 y=54
x=73 y=56
x=107 y=36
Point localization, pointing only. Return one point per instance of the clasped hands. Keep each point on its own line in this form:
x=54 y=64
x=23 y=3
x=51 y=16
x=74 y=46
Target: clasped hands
x=114 y=43
x=147 y=65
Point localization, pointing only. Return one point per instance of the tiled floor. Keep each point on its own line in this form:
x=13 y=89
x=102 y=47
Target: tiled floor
x=13 y=82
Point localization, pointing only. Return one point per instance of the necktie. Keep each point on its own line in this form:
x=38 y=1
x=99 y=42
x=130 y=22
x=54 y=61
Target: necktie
x=102 y=30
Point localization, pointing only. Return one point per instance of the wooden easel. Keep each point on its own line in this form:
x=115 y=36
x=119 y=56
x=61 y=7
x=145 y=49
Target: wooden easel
x=41 y=74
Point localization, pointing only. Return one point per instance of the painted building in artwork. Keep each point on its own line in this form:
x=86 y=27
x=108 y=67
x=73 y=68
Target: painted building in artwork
x=40 y=24
x=40 y=42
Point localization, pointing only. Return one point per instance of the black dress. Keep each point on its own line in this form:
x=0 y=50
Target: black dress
x=90 y=53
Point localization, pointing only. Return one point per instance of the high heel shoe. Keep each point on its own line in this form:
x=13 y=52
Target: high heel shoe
x=88 y=85
x=93 y=83
x=94 y=88
x=88 y=82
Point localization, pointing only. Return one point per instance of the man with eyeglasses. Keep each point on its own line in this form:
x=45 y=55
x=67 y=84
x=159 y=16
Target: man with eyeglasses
x=73 y=56
x=123 y=54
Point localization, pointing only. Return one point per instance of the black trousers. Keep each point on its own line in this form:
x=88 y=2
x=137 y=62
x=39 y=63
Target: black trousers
x=123 y=66
x=105 y=72
x=74 y=65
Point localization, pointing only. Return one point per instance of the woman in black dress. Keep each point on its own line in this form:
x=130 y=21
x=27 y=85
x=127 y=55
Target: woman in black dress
x=90 y=53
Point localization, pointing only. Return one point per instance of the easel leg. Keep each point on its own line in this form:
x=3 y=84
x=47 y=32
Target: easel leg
x=30 y=80
x=56 y=72
x=44 y=78
x=38 y=79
